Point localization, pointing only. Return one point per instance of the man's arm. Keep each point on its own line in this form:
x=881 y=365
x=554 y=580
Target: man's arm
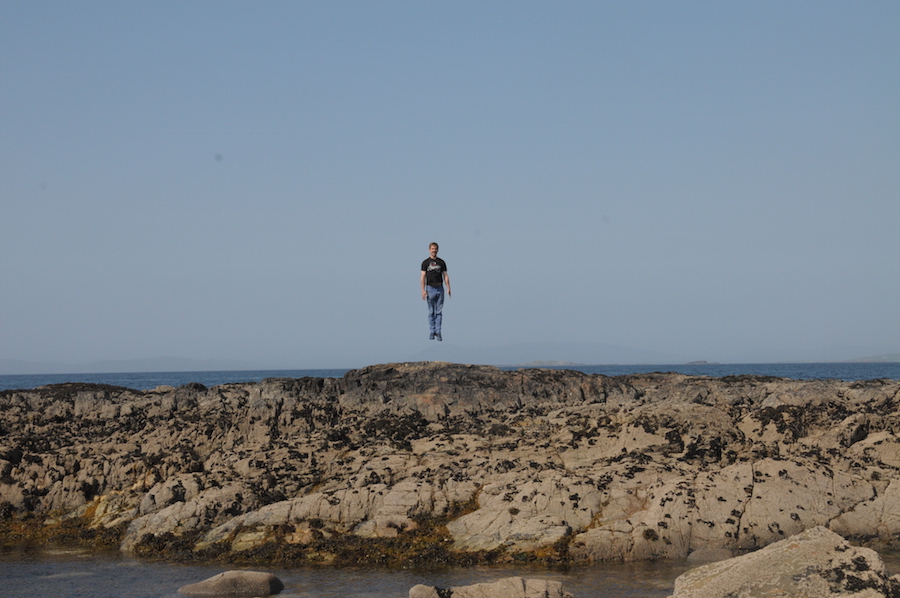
x=424 y=294
x=447 y=282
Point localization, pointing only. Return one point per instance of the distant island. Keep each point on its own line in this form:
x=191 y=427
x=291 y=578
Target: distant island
x=889 y=358
x=549 y=364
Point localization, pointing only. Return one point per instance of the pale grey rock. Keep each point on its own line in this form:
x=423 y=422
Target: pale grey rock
x=816 y=563
x=178 y=488
x=206 y=508
x=423 y=591
x=377 y=510
x=741 y=507
x=235 y=583
x=510 y=587
x=879 y=516
x=524 y=515
x=709 y=555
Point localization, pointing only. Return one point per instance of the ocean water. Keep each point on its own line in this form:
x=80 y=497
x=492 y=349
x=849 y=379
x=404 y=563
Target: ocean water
x=150 y=380
x=795 y=371
x=83 y=574
x=77 y=574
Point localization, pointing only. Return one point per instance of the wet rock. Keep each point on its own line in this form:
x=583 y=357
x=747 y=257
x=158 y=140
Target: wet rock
x=816 y=563
x=235 y=583
x=511 y=587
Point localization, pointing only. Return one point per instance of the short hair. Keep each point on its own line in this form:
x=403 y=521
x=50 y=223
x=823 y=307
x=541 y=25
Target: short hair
x=435 y=245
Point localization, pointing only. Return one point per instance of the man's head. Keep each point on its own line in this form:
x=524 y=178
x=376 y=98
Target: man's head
x=433 y=249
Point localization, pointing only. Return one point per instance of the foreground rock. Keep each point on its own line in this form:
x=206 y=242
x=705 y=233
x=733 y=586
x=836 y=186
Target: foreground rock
x=511 y=587
x=435 y=462
x=235 y=583
x=816 y=563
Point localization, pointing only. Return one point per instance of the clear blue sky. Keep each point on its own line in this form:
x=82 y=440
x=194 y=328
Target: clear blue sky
x=259 y=181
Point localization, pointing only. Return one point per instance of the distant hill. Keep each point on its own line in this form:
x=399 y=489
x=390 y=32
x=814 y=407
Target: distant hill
x=550 y=364
x=890 y=358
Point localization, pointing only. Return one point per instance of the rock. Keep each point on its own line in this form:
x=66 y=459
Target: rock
x=235 y=583
x=709 y=555
x=816 y=563
x=193 y=512
x=880 y=514
x=525 y=515
x=511 y=587
x=456 y=462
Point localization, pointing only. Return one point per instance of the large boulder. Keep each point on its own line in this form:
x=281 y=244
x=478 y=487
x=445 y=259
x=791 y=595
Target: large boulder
x=816 y=563
x=235 y=583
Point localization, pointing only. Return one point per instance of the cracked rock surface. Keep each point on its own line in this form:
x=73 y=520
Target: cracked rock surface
x=593 y=467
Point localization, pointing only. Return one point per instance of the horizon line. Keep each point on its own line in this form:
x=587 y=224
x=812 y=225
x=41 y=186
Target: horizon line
x=527 y=365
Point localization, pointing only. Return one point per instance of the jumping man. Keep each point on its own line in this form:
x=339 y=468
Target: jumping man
x=434 y=277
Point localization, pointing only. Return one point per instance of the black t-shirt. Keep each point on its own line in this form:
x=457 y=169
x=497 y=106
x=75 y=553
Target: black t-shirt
x=434 y=269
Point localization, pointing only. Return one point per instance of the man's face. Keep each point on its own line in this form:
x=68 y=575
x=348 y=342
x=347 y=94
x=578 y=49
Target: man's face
x=432 y=250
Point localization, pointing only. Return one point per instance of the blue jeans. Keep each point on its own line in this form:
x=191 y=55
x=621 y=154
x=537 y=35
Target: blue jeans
x=435 y=307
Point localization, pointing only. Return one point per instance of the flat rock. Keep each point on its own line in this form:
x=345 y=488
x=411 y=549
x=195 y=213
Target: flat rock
x=510 y=587
x=235 y=583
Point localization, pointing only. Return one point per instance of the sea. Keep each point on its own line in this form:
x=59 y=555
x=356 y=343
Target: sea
x=149 y=380
x=56 y=572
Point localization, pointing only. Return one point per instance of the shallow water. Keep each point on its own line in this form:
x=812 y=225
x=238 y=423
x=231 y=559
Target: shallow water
x=77 y=574
x=82 y=574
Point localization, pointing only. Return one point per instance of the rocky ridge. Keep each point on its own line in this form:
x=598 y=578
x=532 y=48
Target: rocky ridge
x=452 y=461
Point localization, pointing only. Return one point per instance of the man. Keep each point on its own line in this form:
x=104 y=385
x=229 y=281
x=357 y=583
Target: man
x=434 y=277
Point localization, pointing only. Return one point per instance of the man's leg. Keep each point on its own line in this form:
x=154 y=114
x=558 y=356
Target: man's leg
x=431 y=310
x=438 y=311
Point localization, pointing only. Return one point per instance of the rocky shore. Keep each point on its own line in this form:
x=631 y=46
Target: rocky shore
x=437 y=462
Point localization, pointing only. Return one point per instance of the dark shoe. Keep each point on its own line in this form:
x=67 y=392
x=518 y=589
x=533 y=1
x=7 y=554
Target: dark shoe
x=431 y=338
x=437 y=335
